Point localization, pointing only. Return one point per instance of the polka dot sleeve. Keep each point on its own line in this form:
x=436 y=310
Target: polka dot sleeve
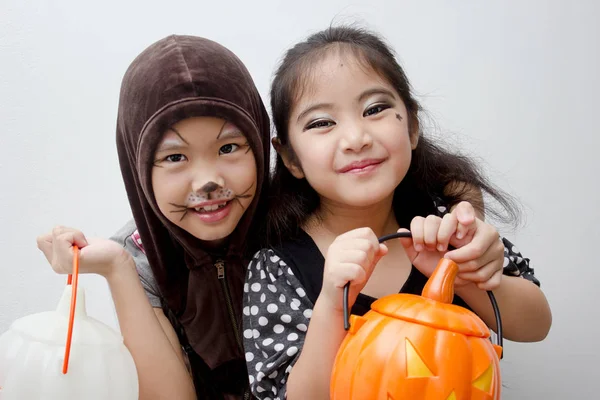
x=276 y=316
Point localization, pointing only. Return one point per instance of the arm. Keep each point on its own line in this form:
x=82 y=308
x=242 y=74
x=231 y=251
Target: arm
x=148 y=336
x=284 y=361
x=525 y=313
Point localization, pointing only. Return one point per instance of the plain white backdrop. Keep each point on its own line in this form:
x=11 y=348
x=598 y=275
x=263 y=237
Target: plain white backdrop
x=515 y=83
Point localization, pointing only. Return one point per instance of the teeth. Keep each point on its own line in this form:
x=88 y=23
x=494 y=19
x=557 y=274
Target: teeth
x=211 y=207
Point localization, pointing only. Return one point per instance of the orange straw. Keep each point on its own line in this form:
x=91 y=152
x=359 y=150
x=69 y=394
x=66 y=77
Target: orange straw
x=71 y=280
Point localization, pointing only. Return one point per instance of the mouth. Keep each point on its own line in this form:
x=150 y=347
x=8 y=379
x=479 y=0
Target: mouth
x=362 y=165
x=210 y=206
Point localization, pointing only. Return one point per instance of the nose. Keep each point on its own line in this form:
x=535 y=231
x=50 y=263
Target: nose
x=356 y=138
x=207 y=180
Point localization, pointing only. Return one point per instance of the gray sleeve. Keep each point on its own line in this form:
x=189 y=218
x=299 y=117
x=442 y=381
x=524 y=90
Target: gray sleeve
x=276 y=315
x=124 y=237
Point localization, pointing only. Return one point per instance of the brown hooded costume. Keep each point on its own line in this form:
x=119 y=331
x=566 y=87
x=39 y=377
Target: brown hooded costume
x=173 y=79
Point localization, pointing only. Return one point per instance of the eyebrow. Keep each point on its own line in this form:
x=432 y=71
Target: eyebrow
x=230 y=133
x=363 y=95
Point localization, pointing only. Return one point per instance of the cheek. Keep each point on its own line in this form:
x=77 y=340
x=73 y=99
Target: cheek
x=241 y=176
x=168 y=188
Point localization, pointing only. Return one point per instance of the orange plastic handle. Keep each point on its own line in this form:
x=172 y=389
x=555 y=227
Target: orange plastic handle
x=71 y=280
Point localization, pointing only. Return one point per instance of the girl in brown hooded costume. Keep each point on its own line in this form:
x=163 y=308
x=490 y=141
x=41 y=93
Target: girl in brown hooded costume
x=193 y=144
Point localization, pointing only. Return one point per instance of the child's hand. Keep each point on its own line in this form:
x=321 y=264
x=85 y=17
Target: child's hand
x=479 y=252
x=98 y=256
x=350 y=258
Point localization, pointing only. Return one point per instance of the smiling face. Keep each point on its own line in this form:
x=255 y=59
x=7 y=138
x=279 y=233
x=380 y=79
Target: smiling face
x=349 y=133
x=204 y=177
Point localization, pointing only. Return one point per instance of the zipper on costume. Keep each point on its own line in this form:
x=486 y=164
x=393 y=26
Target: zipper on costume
x=220 y=264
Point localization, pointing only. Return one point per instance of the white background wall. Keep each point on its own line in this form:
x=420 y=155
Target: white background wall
x=515 y=82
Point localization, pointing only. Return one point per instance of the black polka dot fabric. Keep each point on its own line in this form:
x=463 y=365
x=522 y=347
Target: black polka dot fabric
x=277 y=313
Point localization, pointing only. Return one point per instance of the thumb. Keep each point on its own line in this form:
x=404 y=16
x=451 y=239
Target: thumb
x=407 y=243
x=383 y=250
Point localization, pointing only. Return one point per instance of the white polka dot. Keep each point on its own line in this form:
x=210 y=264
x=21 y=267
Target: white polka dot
x=519 y=259
x=286 y=318
x=292 y=337
x=274 y=390
x=249 y=356
x=282 y=263
x=295 y=304
x=301 y=292
x=302 y=327
x=273 y=375
x=251 y=379
x=288 y=283
x=246 y=310
x=255 y=333
x=256 y=346
x=291 y=351
x=267 y=341
x=279 y=272
x=259 y=389
x=254 y=310
x=259 y=376
x=255 y=287
x=514 y=249
x=441 y=209
x=245 y=288
x=272 y=288
x=263 y=297
x=263 y=321
x=258 y=266
x=248 y=333
x=278 y=347
x=258 y=366
x=272 y=308
x=274 y=258
x=269 y=365
x=262 y=274
x=288 y=369
x=290 y=272
x=265 y=355
x=272 y=277
x=282 y=298
x=307 y=313
x=249 y=274
x=278 y=328
x=505 y=262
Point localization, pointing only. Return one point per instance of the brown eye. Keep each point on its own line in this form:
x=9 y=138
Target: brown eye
x=376 y=109
x=174 y=158
x=321 y=123
x=228 y=148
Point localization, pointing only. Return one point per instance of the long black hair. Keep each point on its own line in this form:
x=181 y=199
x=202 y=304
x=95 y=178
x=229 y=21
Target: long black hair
x=434 y=172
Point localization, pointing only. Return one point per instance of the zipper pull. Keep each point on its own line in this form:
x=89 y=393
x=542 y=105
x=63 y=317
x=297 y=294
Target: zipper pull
x=220 y=269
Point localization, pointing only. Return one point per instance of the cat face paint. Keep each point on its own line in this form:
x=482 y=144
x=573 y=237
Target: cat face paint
x=204 y=177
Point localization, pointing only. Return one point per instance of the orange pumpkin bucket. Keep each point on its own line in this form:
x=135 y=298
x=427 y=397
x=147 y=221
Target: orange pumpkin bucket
x=419 y=347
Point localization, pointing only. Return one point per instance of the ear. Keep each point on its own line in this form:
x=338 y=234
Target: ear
x=289 y=160
x=414 y=129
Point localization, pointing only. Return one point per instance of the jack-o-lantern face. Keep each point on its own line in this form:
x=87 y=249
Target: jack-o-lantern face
x=413 y=347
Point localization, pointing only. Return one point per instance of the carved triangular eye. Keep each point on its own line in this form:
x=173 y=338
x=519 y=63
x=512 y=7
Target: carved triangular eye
x=415 y=366
x=484 y=382
x=452 y=396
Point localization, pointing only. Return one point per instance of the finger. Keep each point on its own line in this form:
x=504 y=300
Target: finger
x=349 y=272
x=383 y=250
x=407 y=243
x=483 y=274
x=447 y=229
x=417 y=226
x=494 y=253
x=359 y=257
x=466 y=217
x=484 y=237
x=44 y=243
x=430 y=231
x=493 y=283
